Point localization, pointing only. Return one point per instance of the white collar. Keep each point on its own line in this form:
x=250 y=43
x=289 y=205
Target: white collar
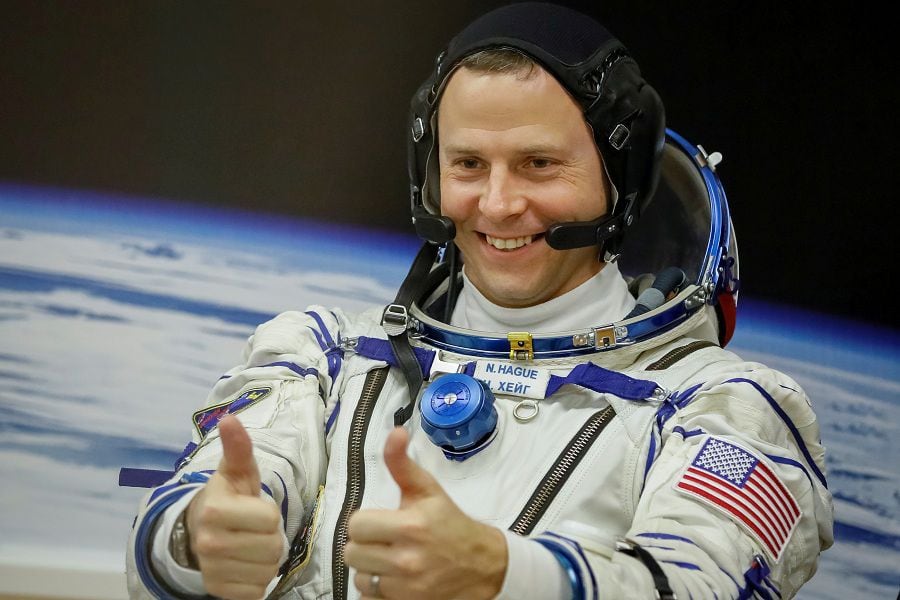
x=604 y=298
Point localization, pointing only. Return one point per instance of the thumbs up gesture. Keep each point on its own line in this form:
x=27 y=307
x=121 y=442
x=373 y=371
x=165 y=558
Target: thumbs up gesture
x=427 y=548
x=235 y=534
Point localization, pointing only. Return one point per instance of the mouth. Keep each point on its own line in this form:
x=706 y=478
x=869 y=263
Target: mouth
x=513 y=243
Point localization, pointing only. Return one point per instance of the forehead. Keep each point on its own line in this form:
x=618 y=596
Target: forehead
x=527 y=103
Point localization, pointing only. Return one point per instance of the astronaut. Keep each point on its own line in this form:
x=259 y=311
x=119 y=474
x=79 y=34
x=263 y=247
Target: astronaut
x=547 y=409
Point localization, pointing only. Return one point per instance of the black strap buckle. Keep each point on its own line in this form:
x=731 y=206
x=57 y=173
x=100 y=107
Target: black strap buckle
x=660 y=581
x=395 y=319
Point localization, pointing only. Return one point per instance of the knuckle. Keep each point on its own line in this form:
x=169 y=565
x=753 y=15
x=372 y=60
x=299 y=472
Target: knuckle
x=273 y=520
x=206 y=543
x=209 y=513
x=410 y=563
x=415 y=527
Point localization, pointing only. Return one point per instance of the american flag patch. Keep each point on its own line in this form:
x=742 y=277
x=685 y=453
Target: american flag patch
x=737 y=483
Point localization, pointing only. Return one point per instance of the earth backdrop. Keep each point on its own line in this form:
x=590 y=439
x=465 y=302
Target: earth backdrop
x=118 y=314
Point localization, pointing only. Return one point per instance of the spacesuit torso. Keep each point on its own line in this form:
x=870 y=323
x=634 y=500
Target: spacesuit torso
x=588 y=450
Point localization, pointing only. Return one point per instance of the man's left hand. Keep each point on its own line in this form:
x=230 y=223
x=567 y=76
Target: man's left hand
x=427 y=548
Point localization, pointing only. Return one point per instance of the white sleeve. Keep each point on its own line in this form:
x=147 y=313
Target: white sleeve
x=532 y=571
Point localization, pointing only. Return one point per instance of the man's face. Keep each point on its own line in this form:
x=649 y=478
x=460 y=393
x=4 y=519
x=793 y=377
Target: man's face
x=516 y=156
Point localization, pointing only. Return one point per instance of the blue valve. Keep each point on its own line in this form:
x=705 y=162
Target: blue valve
x=458 y=415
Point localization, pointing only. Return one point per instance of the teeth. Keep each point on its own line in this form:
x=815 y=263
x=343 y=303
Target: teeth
x=508 y=243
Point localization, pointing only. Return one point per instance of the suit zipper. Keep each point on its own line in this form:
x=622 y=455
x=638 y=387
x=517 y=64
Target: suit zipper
x=356 y=476
x=555 y=478
x=677 y=354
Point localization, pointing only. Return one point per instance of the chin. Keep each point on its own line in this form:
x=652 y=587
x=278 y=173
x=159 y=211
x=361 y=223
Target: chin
x=516 y=297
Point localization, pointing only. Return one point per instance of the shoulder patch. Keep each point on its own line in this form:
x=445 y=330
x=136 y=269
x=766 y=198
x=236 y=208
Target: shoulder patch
x=736 y=482
x=207 y=418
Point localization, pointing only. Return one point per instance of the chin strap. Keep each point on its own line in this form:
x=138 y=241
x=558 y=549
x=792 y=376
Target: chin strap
x=395 y=321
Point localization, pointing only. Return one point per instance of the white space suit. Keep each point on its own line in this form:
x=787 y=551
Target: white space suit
x=632 y=456
x=649 y=457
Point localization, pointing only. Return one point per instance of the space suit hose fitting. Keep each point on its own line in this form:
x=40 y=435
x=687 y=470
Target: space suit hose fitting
x=458 y=415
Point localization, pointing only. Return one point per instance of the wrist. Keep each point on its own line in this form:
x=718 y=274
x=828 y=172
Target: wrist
x=180 y=544
x=492 y=564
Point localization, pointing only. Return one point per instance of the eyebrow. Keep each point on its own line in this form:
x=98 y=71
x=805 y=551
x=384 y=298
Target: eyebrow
x=527 y=150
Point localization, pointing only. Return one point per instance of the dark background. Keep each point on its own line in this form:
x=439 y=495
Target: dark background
x=299 y=108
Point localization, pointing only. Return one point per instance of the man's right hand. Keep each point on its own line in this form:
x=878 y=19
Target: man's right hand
x=235 y=534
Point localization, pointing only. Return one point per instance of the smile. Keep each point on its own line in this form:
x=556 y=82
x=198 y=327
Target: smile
x=509 y=243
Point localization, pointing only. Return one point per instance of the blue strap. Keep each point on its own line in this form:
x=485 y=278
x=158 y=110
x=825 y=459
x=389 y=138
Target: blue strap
x=598 y=379
x=143 y=478
x=378 y=349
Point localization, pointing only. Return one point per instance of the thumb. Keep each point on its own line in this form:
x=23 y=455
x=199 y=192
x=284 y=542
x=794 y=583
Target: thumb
x=238 y=466
x=414 y=481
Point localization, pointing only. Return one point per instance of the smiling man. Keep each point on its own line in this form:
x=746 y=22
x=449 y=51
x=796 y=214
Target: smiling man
x=546 y=410
x=517 y=156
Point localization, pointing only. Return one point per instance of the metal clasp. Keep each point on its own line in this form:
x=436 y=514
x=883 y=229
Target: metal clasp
x=348 y=344
x=604 y=337
x=520 y=345
x=439 y=366
x=395 y=319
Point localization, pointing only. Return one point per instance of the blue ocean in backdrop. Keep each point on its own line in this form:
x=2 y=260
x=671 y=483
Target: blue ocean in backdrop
x=118 y=314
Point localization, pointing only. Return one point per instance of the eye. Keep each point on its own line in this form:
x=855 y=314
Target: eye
x=540 y=163
x=468 y=163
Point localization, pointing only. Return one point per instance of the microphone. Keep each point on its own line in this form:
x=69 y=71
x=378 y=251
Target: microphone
x=436 y=229
x=669 y=280
x=580 y=234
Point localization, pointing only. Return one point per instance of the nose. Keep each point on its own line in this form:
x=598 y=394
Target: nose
x=501 y=198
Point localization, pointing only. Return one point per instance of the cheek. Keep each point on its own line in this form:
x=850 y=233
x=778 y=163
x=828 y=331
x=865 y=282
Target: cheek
x=455 y=202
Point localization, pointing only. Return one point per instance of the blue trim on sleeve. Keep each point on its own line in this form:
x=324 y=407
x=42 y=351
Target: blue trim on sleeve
x=681 y=564
x=790 y=425
x=192 y=477
x=569 y=565
x=651 y=456
x=293 y=367
x=658 y=547
x=332 y=351
x=322 y=328
x=672 y=403
x=332 y=417
x=144 y=540
x=791 y=462
x=685 y=397
x=665 y=536
x=319 y=339
x=686 y=434
x=284 y=501
x=580 y=552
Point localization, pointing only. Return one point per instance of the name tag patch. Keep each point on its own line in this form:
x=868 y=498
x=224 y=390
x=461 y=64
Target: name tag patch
x=512 y=379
